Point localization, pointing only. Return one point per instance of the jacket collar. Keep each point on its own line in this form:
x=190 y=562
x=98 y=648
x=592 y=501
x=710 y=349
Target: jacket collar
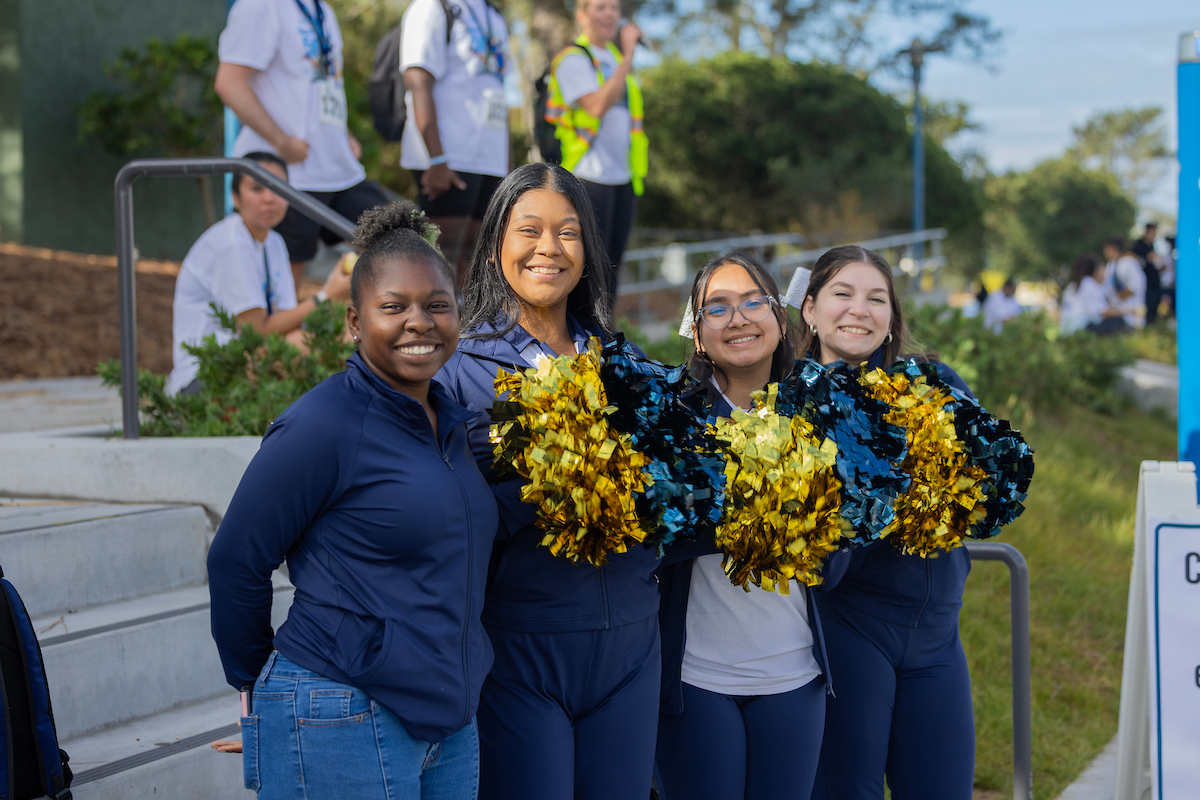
x=508 y=347
x=450 y=413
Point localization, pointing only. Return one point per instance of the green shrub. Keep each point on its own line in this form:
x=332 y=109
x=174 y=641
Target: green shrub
x=245 y=383
x=1027 y=365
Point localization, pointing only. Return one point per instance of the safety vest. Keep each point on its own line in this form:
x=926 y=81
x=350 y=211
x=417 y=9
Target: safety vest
x=576 y=129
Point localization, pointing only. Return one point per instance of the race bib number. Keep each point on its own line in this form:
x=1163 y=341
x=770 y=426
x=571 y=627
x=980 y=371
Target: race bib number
x=495 y=109
x=331 y=98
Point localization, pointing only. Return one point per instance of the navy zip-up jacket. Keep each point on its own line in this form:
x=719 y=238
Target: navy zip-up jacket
x=387 y=533
x=530 y=590
x=675 y=582
x=906 y=590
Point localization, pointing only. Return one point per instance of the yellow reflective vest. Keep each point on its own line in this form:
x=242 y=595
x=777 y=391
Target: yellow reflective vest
x=576 y=129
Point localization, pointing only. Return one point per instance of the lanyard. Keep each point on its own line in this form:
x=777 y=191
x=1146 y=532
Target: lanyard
x=267 y=285
x=318 y=26
x=495 y=59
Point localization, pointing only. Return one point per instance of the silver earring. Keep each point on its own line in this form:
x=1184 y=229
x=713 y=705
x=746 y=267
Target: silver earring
x=888 y=340
x=812 y=328
x=355 y=338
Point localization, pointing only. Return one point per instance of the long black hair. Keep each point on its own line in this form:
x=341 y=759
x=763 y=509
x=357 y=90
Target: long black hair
x=700 y=365
x=487 y=297
x=829 y=265
x=396 y=230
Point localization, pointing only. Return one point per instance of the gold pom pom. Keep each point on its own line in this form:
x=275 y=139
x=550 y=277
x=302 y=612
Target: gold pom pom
x=945 y=497
x=581 y=474
x=783 y=498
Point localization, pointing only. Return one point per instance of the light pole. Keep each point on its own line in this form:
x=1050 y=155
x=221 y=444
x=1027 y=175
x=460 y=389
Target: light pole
x=916 y=54
x=1187 y=271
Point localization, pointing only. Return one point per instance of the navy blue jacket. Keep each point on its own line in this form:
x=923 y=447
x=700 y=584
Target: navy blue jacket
x=530 y=590
x=387 y=533
x=907 y=590
x=675 y=582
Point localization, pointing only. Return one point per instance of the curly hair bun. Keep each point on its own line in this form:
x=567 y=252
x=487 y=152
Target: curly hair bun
x=376 y=223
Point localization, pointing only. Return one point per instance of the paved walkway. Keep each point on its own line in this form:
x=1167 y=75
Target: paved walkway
x=37 y=405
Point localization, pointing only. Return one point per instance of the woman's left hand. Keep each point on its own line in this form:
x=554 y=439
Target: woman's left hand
x=227 y=747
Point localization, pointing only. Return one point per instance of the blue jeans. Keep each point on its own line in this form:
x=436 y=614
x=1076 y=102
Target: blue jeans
x=309 y=737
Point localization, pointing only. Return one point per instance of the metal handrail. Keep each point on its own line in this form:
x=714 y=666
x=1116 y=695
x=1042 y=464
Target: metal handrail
x=126 y=290
x=1022 y=713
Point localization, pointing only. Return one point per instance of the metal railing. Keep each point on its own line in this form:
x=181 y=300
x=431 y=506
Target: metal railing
x=126 y=289
x=1022 y=714
x=675 y=267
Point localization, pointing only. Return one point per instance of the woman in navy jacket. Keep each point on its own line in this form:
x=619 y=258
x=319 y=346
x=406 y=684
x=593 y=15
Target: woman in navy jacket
x=744 y=680
x=368 y=487
x=570 y=707
x=903 y=703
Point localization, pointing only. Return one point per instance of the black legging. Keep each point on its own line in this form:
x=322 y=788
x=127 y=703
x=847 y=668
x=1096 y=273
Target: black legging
x=615 y=207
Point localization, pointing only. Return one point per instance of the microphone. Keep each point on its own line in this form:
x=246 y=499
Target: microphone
x=626 y=21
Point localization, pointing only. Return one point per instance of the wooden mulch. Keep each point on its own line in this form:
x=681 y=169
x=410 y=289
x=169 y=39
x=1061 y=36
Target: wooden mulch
x=58 y=312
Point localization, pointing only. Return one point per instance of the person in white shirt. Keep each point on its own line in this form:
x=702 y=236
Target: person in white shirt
x=241 y=265
x=1084 y=302
x=1125 y=282
x=1001 y=306
x=593 y=76
x=454 y=58
x=280 y=71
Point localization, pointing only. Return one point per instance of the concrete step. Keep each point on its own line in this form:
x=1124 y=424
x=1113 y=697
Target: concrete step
x=163 y=756
x=64 y=555
x=126 y=660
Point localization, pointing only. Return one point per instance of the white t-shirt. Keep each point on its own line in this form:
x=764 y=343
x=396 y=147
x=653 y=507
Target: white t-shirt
x=228 y=267
x=607 y=160
x=1082 y=305
x=467 y=93
x=276 y=38
x=999 y=308
x=745 y=643
x=1126 y=272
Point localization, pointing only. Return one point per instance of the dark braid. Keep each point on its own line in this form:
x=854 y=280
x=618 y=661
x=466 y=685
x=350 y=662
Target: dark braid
x=396 y=230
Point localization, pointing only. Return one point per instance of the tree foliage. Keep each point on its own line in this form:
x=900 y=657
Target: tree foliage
x=167 y=107
x=856 y=35
x=245 y=383
x=740 y=142
x=1042 y=220
x=1130 y=143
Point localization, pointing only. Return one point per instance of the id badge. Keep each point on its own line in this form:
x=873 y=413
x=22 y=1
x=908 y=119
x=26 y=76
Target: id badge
x=495 y=109
x=331 y=98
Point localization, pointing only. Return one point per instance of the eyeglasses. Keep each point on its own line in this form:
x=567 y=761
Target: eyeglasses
x=755 y=309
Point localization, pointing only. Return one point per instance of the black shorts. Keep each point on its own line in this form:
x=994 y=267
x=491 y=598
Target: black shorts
x=300 y=233
x=470 y=202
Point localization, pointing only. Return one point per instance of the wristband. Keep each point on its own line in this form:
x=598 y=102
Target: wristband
x=436 y=160
x=320 y=297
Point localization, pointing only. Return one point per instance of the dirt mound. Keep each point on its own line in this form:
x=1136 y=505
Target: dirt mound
x=58 y=312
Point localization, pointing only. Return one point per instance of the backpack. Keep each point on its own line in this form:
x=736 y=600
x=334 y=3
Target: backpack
x=385 y=89
x=543 y=129
x=31 y=763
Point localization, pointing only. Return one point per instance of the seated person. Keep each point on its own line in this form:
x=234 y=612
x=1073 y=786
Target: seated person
x=1085 y=302
x=241 y=264
x=1001 y=306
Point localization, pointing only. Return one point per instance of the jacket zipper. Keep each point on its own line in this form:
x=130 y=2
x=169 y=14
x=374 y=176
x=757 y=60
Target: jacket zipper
x=928 y=591
x=467 y=614
x=604 y=596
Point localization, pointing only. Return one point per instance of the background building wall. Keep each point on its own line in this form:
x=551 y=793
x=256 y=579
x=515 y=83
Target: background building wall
x=67 y=186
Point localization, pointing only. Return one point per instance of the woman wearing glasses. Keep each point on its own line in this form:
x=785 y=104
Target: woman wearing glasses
x=742 y=707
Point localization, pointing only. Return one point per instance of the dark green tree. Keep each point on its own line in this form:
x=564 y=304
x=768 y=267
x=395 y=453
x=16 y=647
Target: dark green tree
x=167 y=105
x=740 y=142
x=1040 y=221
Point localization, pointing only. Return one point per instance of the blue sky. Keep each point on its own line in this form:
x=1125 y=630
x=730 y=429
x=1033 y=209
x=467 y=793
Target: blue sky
x=1059 y=62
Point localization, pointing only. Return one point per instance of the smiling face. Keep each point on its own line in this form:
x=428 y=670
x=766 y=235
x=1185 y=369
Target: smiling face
x=598 y=19
x=852 y=313
x=744 y=345
x=406 y=323
x=542 y=253
x=260 y=208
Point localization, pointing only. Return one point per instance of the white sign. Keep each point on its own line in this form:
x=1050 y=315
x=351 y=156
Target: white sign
x=1173 y=577
x=1158 y=733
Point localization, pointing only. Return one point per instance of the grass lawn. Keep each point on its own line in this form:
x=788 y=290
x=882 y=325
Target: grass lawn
x=1077 y=536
